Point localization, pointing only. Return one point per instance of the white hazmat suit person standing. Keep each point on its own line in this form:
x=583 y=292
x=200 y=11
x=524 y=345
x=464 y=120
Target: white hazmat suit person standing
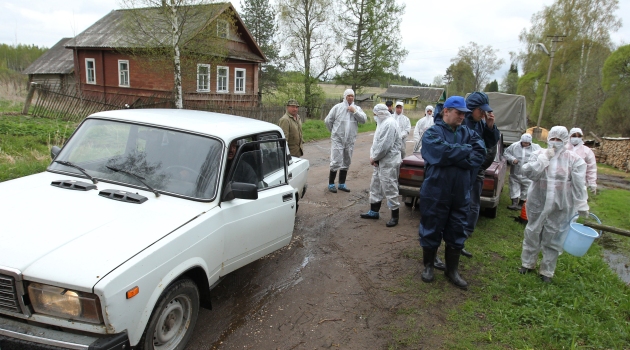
x=558 y=191
x=385 y=158
x=421 y=126
x=576 y=144
x=343 y=123
x=518 y=155
x=404 y=126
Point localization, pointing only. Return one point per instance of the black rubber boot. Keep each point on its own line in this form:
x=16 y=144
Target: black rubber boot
x=342 y=180
x=514 y=205
x=451 y=255
x=466 y=253
x=520 y=204
x=394 y=220
x=439 y=264
x=428 y=259
x=523 y=270
x=373 y=212
x=331 y=181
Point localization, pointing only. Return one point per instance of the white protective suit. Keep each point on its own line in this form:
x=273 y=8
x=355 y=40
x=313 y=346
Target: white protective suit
x=519 y=184
x=343 y=126
x=557 y=192
x=386 y=151
x=587 y=154
x=421 y=126
x=404 y=126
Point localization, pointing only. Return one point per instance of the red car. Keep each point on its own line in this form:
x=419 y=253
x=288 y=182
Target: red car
x=412 y=174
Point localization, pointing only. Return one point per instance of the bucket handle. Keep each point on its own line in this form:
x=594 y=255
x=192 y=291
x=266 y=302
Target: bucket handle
x=574 y=219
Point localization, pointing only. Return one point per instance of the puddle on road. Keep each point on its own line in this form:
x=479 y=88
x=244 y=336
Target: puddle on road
x=619 y=263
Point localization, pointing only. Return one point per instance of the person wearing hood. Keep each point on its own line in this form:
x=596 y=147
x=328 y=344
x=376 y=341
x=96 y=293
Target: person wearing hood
x=557 y=192
x=404 y=126
x=421 y=126
x=385 y=158
x=343 y=123
x=576 y=144
x=452 y=153
x=481 y=120
x=518 y=155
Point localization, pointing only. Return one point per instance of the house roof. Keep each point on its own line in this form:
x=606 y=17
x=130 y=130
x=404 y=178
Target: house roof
x=421 y=93
x=57 y=60
x=111 y=32
x=364 y=97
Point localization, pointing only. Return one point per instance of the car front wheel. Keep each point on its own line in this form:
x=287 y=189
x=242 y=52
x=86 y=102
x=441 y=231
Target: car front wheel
x=173 y=318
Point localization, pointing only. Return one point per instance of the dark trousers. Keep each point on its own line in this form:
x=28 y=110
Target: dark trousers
x=473 y=213
x=445 y=221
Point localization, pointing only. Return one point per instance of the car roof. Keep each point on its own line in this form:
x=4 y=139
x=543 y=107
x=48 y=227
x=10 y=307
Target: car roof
x=225 y=126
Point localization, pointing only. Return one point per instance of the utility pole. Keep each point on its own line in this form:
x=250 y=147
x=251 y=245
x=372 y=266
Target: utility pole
x=554 y=39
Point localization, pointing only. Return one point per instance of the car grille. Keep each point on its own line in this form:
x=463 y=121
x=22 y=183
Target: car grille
x=8 y=295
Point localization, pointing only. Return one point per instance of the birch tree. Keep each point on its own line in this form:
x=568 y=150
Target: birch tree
x=313 y=49
x=483 y=62
x=168 y=30
x=370 y=29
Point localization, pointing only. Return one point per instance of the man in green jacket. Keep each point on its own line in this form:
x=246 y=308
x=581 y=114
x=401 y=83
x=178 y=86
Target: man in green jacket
x=292 y=127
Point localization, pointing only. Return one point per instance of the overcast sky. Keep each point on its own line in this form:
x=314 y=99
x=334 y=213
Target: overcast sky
x=432 y=31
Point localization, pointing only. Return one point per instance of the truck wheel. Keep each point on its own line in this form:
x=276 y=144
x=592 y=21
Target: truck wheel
x=491 y=212
x=173 y=319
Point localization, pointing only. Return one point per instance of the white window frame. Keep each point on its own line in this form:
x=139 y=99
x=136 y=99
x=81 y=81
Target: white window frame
x=227 y=78
x=236 y=78
x=120 y=72
x=226 y=26
x=198 y=76
x=87 y=71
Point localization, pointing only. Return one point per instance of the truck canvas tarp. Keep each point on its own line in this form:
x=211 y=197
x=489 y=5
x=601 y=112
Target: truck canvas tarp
x=510 y=115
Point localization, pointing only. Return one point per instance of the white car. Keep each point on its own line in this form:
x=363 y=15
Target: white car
x=120 y=241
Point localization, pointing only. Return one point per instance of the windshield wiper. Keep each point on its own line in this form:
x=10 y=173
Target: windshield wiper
x=137 y=177
x=63 y=162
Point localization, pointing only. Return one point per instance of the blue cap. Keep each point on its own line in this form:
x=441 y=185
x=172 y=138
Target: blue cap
x=456 y=102
x=478 y=99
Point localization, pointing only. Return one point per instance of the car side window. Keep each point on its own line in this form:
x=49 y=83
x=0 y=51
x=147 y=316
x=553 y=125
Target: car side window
x=260 y=163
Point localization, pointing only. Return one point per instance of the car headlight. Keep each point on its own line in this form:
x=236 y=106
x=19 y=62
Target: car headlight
x=65 y=303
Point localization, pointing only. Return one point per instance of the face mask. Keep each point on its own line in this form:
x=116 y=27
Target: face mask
x=556 y=145
x=576 y=141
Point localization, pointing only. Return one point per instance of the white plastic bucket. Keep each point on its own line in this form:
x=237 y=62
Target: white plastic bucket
x=580 y=237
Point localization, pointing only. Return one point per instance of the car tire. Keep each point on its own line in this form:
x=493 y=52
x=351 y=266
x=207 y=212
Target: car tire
x=173 y=318
x=491 y=212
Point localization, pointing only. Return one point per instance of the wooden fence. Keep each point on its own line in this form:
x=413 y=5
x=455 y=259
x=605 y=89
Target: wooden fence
x=72 y=105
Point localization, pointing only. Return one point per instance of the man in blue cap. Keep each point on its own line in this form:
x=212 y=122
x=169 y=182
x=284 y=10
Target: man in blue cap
x=452 y=153
x=481 y=120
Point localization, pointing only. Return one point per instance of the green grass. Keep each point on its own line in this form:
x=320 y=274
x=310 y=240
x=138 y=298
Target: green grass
x=610 y=170
x=25 y=144
x=10 y=106
x=314 y=130
x=587 y=306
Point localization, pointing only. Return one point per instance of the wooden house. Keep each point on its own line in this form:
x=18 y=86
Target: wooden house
x=55 y=68
x=105 y=65
x=413 y=96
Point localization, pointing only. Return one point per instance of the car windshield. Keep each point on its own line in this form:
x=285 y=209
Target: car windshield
x=169 y=161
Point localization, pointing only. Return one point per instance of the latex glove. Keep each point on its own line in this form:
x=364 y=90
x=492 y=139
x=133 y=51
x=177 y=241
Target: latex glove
x=549 y=153
x=583 y=213
x=593 y=188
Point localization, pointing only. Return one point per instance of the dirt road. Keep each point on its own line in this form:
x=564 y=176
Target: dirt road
x=334 y=286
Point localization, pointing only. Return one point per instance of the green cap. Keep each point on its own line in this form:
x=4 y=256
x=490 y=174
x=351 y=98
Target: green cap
x=293 y=102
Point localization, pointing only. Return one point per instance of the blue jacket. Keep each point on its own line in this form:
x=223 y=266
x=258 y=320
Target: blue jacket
x=450 y=158
x=489 y=136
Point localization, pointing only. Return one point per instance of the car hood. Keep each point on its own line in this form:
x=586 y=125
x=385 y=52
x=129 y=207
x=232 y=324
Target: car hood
x=74 y=238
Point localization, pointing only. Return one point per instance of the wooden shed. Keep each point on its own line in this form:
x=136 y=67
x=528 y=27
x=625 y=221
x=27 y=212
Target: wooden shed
x=55 y=68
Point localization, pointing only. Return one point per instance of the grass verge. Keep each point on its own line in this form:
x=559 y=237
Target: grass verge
x=587 y=305
x=25 y=144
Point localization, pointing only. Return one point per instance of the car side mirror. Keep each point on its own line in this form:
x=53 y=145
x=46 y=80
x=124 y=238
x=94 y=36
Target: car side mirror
x=240 y=190
x=54 y=151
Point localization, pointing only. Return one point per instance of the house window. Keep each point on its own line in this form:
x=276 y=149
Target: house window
x=239 y=80
x=203 y=78
x=123 y=73
x=223 y=29
x=222 y=79
x=90 y=71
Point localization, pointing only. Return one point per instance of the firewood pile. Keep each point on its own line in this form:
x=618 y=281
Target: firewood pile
x=615 y=152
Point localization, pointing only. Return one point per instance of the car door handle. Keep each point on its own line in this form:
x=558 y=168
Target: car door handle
x=290 y=176
x=287 y=197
